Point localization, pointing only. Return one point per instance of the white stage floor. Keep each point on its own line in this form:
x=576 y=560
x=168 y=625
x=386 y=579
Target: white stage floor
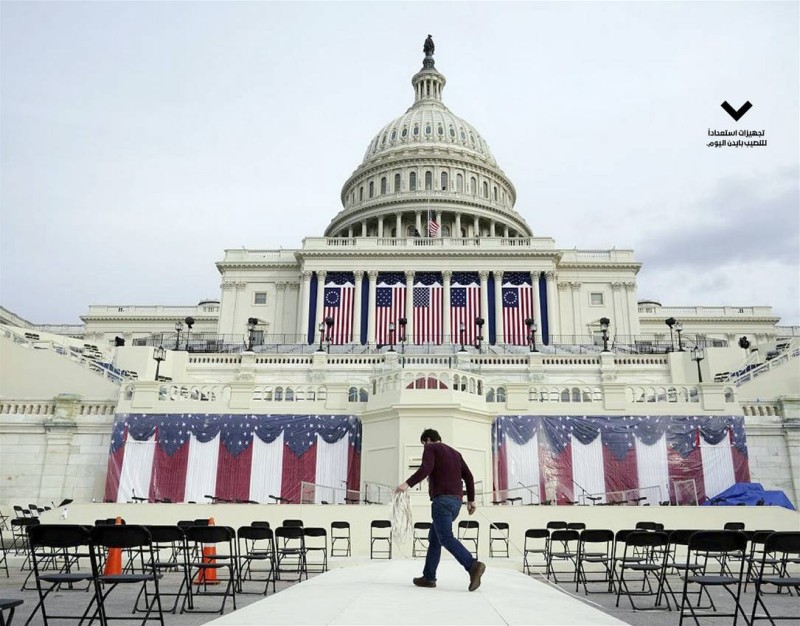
x=382 y=593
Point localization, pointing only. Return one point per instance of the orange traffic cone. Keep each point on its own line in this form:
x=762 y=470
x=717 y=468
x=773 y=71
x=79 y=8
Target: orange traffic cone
x=208 y=576
x=114 y=558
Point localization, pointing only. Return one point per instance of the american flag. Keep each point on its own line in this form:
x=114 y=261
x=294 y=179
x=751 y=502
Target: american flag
x=465 y=306
x=427 y=325
x=390 y=306
x=433 y=227
x=517 y=295
x=338 y=304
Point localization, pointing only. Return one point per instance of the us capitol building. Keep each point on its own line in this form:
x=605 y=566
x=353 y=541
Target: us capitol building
x=429 y=301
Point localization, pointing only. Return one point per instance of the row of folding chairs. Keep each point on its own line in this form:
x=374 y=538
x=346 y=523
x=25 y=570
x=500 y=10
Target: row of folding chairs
x=638 y=562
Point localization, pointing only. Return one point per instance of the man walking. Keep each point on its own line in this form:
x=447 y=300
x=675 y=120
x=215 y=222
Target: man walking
x=445 y=469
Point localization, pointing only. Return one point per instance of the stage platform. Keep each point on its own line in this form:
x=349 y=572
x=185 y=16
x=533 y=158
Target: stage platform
x=382 y=593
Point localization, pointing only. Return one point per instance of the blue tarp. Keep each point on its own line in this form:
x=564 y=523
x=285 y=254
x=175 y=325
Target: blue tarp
x=751 y=494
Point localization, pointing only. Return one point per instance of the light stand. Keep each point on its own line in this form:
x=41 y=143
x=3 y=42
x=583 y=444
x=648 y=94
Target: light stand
x=671 y=321
x=463 y=331
x=604 y=322
x=328 y=337
x=698 y=354
x=531 y=324
x=321 y=329
x=189 y=323
x=178 y=329
x=391 y=337
x=403 y=321
x=479 y=321
x=679 y=329
x=159 y=354
x=252 y=322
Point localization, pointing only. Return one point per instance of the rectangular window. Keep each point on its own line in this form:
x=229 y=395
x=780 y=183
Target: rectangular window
x=260 y=297
x=596 y=298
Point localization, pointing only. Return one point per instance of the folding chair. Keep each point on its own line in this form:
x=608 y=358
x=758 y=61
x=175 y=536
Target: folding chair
x=646 y=554
x=4 y=552
x=733 y=526
x=556 y=525
x=380 y=531
x=564 y=547
x=419 y=545
x=19 y=536
x=290 y=545
x=576 y=526
x=208 y=561
x=4 y=521
x=137 y=540
x=532 y=548
x=340 y=531
x=43 y=540
x=783 y=548
x=316 y=540
x=498 y=533
x=170 y=539
x=469 y=532
x=9 y=605
x=719 y=542
x=255 y=544
x=678 y=562
x=594 y=539
x=649 y=526
x=756 y=554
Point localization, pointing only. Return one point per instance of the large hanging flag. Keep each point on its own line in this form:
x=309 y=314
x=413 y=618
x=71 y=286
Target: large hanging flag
x=390 y=306
x=338 y=305
x=517 y=294
x=465 y=306
x=427 y=326
x=433 y=226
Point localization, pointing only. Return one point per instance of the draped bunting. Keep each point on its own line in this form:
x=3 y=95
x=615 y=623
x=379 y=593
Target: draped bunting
x=181 y=450
x=702 y=449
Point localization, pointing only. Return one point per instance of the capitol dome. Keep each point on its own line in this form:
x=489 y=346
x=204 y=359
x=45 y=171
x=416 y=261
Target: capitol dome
x=428 y=173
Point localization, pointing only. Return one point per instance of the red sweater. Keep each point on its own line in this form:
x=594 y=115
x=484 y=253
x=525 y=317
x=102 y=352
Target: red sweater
x=445 y=469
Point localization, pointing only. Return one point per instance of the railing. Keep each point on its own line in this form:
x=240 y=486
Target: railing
x=21 y=407
x=178 y=312
x=413 y=243
x=707 y=311
x=751 y=369
x=761 y=409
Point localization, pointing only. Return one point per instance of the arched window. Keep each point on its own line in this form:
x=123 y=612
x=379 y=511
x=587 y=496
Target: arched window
x=485 y=189
x=363 y=396
x=383 y=185
x=278 y=394
x=473 y=185
x=361 y=193
x=404 y=133
x=352 y=394
x=428 y=129
x=299 y=395
x=501 y=394
x=397 y=183
x=576 y=394
x=490 y=395
x=410 y=231
x=289 y=394
x=428 y=181
x=446 y=231
x=268 y=393
x=565 y=395
x=495 y=194
x=459 y=183
x=371 y=189
x=416 y=130
x=444 y=181
x=412 y=181
x=587 y=395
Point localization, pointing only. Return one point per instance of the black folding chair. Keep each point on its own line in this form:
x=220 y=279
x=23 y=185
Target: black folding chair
x=380 y=532
x=3 y=552
x=469 y=533
x=419 y=547
x=172 y=541
x=556 y=525
x=137 y=540
x=498 y=534
x=9 y=605
x=589 y=551
x=719 y=542
x=340 y=531
x=756 y=554
x=44 y=541
x=207 y=563
x=316 y=540
x=783 y=549
x=645 y=554
x=255 y=544
x=533 y=547
x=290 y=548
x=563 y=547
x=678 y=562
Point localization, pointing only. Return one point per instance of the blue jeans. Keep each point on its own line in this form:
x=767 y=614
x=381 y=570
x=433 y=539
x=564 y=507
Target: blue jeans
x=444 y=511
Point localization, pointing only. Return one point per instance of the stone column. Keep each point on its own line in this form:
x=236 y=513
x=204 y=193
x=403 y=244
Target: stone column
x=373 y=281
x=458 y=225
x=618 y=310
x=409 y=315
x=484 y=278
x=439 y=221
x=537 y=306
x=305 y=303
x=629 y=294
x=491 y=228
x=446 y=276
x=399 y=227
x=320 y=302
x=577 y=315
x=505 y=231
x=280 y=291
x=553 y=321
x=59 y=430
x=363 y=228
x=498 y=307
x=418 y=221
x=350 y=231
x=475 y=227
x=380 y=226
x=356 y=337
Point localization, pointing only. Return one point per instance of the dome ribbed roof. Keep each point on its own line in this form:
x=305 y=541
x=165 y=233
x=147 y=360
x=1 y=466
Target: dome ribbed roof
x=428 y=123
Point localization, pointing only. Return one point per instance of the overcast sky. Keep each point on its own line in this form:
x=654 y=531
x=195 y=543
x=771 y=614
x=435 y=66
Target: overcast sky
x=141 y=140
